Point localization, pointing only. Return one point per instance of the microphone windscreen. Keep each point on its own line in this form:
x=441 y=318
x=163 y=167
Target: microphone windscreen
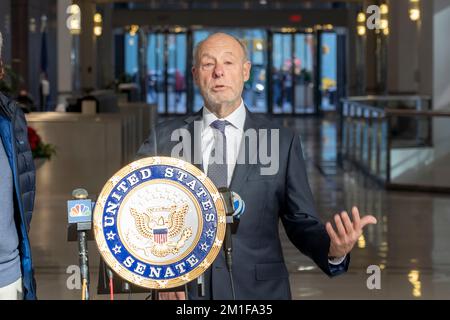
x=80 y=193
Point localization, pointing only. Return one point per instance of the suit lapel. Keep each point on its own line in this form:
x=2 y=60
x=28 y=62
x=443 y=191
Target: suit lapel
x=195 y=133
x=241 y=171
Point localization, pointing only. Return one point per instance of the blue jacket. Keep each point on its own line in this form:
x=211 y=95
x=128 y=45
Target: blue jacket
x=14 y=134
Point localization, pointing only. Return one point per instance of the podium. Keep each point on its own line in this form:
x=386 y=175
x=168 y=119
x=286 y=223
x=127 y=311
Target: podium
x=160 y=223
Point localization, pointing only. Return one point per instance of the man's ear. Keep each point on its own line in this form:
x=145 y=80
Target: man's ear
x=246 y=70
x=194 y=74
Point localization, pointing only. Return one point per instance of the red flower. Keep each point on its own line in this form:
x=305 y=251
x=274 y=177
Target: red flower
x=38 y=147
x=33 y=138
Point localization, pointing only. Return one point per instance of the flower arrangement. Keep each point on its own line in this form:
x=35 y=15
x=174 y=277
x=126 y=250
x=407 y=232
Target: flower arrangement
x=39 y=148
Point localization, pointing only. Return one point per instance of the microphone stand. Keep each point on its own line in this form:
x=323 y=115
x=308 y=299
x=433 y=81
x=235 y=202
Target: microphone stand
x=201 y=285
x=83 y=258
x=84 y=263
x=228 y=243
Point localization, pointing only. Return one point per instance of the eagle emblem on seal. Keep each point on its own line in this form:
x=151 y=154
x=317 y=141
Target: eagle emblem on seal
x=164 y=227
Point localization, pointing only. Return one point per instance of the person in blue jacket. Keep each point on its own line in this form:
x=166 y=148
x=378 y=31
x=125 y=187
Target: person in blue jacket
x=17 y=192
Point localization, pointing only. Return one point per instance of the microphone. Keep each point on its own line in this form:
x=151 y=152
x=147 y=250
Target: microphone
x=80 y=193
x=79 y=210
x=238 y=204
x=79 y=213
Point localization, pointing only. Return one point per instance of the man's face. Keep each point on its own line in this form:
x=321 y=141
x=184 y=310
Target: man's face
x=221 y=70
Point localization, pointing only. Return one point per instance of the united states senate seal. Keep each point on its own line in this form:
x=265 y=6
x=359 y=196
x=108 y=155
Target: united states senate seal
x=159 y=222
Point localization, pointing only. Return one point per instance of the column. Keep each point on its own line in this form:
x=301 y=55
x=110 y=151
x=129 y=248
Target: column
x=65 y=39
x=88 y=50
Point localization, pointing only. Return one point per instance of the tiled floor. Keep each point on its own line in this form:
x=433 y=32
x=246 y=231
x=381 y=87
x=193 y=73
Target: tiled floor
x=410 y=244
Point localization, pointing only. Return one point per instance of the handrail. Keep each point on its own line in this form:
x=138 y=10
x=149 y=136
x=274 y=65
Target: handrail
x=369 y=137
x=402 y=112
x=387 y=98
x=369 y=107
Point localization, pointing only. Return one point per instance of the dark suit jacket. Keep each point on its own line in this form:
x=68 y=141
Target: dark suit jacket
x=259 y=270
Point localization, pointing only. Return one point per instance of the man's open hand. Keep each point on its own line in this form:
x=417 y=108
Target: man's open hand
x=348 y=232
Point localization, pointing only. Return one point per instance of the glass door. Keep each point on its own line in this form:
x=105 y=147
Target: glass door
x=176 y=73
x=255 y=89
x=282 y=71
x=166 y=62
x=292 y=73
x=304 y=73
x=131 y=58
x=156 y=70
x=328 y=88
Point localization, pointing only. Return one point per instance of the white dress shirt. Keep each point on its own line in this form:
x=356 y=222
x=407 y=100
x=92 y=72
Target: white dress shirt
x=233 y=133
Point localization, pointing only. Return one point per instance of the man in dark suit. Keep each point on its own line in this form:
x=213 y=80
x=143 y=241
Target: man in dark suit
x=222 y=131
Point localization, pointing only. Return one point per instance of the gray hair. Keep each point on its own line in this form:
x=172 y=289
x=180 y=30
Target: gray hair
x=241 y=43
x=1 y=44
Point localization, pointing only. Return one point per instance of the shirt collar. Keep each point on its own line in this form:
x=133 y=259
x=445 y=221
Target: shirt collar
x=236 y=118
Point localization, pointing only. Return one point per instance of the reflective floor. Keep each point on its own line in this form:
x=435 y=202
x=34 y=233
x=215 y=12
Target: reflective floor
x=410 y=244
